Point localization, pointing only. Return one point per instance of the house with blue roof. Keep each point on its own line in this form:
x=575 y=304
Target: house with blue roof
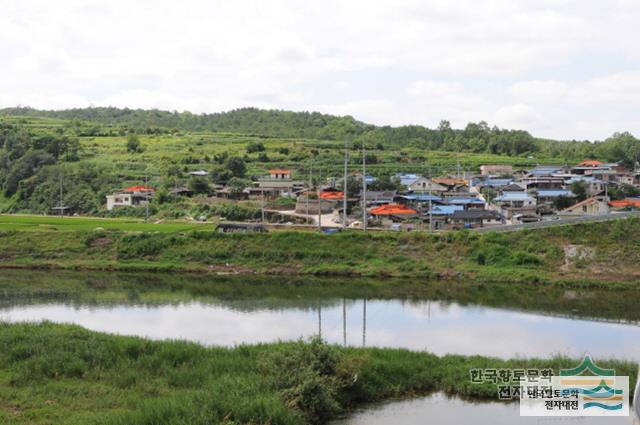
x=467 y=203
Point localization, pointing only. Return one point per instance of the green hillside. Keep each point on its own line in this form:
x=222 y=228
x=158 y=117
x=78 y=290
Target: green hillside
x=94 y=151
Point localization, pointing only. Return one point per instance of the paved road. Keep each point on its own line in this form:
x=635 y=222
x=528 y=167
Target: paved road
x=560 y=222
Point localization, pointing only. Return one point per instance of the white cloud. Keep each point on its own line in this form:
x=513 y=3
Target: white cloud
x=569 y=62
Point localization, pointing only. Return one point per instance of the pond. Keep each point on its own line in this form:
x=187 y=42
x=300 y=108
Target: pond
x=442 y=410
x=235 y=310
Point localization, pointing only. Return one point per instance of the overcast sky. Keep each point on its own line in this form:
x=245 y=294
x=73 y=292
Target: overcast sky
x=558 y=68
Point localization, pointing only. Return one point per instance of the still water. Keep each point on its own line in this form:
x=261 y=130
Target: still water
x=442 y=410
x=441 y=327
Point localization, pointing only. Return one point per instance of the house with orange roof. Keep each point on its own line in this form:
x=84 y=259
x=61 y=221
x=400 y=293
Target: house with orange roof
x=131 y=196
x=279 y=182
x=393 y=212
x=626 y=203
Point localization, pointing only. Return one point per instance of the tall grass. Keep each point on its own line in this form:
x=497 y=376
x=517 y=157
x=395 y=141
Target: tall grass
x=64 y=374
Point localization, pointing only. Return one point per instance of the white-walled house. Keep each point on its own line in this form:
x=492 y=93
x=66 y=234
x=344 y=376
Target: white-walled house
x=130 y=197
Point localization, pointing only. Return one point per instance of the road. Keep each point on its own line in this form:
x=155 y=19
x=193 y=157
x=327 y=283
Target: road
x=559 y=222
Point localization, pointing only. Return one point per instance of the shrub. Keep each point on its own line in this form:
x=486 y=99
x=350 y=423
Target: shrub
x=312 y=378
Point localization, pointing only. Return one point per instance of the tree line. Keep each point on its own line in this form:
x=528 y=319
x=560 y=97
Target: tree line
x=475 y=137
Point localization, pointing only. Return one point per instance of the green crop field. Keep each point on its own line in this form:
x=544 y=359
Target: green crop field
x=50 y=223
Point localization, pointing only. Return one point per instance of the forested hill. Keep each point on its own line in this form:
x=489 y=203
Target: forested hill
x=475 y=137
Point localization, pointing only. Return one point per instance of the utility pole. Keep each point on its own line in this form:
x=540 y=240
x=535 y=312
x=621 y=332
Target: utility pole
x=262 y=204
x=309 y=188
x=146 y=197
x=319 y=201
x=364 y=188
x=61 y=201
x=430 y=201
x=344 y=185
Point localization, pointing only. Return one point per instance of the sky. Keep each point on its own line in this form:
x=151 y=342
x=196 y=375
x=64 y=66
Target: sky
x=567 y=69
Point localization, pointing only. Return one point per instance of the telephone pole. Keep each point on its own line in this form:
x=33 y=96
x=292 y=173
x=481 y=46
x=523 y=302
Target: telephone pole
x=344 y=186
x=61 y=201
x=146 y=197
x=309 y=188
x=430 y=200
x=319 y=201
x=364 y=188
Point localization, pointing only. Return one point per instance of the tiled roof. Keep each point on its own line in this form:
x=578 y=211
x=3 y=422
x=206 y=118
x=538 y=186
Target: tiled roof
x=331 y=195
x=392 y=209
x=590 y=163
x=139 y=189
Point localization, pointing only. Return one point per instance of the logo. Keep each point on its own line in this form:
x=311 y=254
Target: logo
x=586 y=390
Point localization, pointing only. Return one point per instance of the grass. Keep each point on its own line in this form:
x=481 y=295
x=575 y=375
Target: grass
x=33 y=223
x=533 y=256
x=53 y=374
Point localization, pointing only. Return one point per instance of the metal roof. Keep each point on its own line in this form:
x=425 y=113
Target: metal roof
x=422 y=198
x=445 y=209
x=554 y=193
x=514 y=196
x=465 y=201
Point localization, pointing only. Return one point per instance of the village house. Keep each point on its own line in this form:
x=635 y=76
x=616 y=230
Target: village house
x=419 y=184
x=476 y=217
x=590 y=206
x=380 y=197
x=440 y=215
x=393 y=212
x=130 y=197
x=625 y=203
x=278 y=183
x=496 y=170
x=467 y=203
x=452 y=184
x=516 y=204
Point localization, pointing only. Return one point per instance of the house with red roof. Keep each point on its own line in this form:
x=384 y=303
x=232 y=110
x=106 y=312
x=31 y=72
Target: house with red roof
x=278 y=183
x=131 y=196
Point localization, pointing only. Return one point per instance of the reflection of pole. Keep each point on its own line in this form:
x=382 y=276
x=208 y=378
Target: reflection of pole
x=364 y=322
x=319 y=321
x=344 y=322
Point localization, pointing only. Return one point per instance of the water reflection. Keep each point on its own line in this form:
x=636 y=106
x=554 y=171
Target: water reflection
x=441 y=410
x=436 y=326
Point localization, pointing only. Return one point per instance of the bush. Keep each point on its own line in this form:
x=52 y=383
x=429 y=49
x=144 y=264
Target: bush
x=312 y=378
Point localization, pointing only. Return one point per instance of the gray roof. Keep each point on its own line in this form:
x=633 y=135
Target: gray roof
x=476 y=214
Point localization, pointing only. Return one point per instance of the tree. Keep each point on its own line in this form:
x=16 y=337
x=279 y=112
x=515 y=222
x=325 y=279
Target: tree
x=579 y=188
x=199 y=185
x=237 y=185
x=133 y=144
x=236 y=165
x=253 y=147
